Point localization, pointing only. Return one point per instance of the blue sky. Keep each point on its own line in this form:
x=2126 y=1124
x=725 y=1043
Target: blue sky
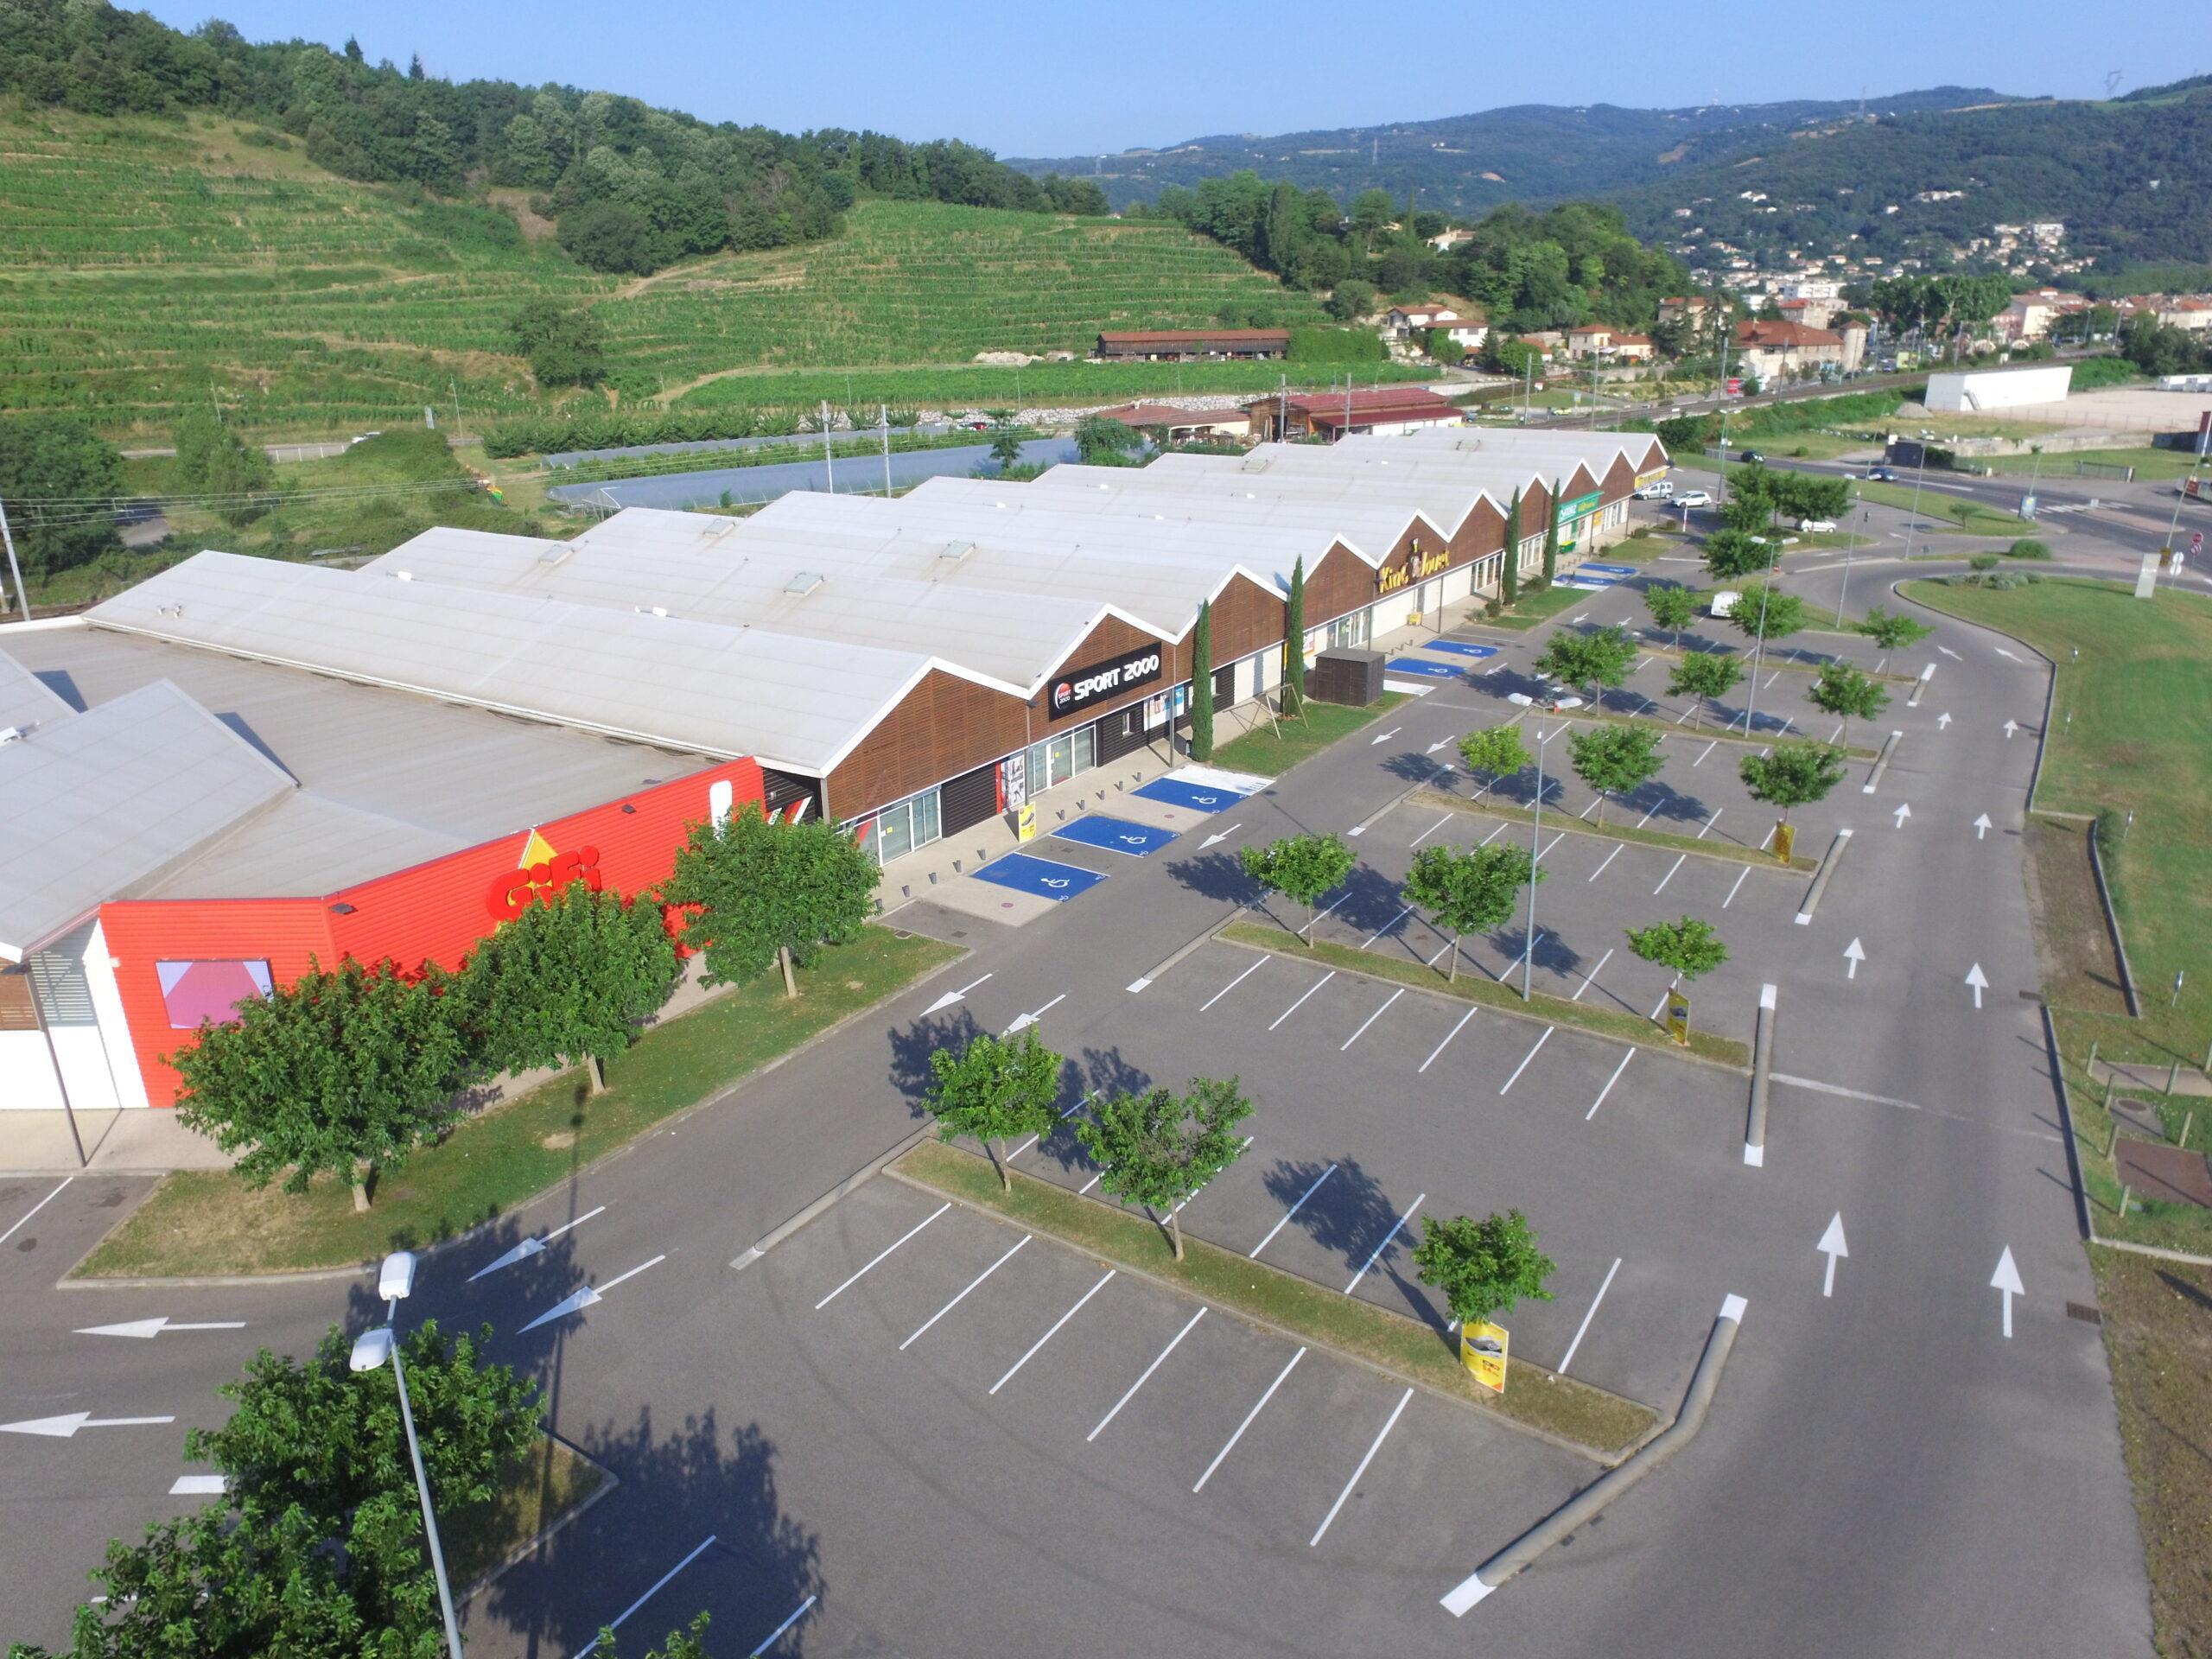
x=1042 y=79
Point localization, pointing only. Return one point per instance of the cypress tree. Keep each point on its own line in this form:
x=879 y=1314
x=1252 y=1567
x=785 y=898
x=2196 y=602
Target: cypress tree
x=1551 y=538
x=1510 y=579
x=1202 y=685
x=1294 y=641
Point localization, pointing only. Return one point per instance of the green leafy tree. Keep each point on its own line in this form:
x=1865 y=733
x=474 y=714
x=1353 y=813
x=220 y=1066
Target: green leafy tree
x=1202 y=684
x=1703 y=676
x=212 y=460
x=1469 y=890
x=1615 y=760
x=1102 y=442
x=1749 y=509
x=1592 y=661
x=343 y=1072
x=1293 y=642
x=993 y=1089
x=317 y=1546
x=1496 y=751
x=1732 y=553
x=1484 y=1267
x=1765 y=612
x=1889 y=630
x=1793 y=774
x=1686 y=945
x=564 y=344
x=1006 y=442
x=1157 y=1148
x=1302 y=868
x=570 y=981
x=680 y=1644
x=1849 y=693
x=57 y=459
x=760 y=893
x=1672 y=607
x=1509 y=578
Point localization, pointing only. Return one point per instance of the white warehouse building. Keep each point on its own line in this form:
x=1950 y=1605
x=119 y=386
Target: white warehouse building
x=1977 y=391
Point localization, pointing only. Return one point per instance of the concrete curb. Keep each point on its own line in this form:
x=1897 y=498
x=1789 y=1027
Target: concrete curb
x=2082 y=1219
x=608 y=1480
x=1761 y=1070
x=829 y=1200
x=2112 y=920
x=1804 y=917
x=1592 y=1499
x=1881 y=764
x=1755 y=858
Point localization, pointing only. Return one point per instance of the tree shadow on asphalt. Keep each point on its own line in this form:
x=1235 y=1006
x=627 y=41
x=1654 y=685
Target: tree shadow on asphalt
x=1347 y=1216
x=1100 y=1071
x=1413 y=766
x=911 y=1049
x=1663 y=801
x=1216 y=876
x=1553 y=954
x=1367 y=900
x=676 y=1491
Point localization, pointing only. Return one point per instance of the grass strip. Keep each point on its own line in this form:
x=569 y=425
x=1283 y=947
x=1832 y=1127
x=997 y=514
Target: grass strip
x=1727 y=852
x=1269 y=753
x=1477 y=987
x=207 y=1222
x=1614 y=717
x=1414 y=1352
x=535 y=1491
x=1675 y=652
x=1532 y=608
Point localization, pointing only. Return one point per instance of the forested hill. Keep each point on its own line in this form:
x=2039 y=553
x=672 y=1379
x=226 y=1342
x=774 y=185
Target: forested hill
x=1466 y=163
x=631 y=187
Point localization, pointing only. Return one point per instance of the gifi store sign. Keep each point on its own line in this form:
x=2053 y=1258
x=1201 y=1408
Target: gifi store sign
x=540 y=874
x=1420 y=567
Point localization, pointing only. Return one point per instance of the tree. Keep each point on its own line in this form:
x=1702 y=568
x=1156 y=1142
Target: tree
x=1704 y=676
x=58 y=459
x=681 y=1644
x=1157 y=1148
x=1672 y=605
x=570 y=979
x=1793 y=774
x=1294 y=641
x=343 y=1072
x=1496 y=750
x=1765 y=612
x=1302 y=868
x=612 y=236
x=1615 y=760
x=212 y=460
x=1732 y=553
x=1510 y=570
x=563 y=343
x=994 y=1088
x=1006 y=440
x=1482 y=1266
x=1592 y=660
x=1891 y=631
x=1471 y=890
x=1350 y=299
x=317 y=1546
x=1202 y=684
x=1847 y=693
x=1551 y=535
x=1102 y=442
x=1749 y=509
x=1686 y=945
x=763 y=893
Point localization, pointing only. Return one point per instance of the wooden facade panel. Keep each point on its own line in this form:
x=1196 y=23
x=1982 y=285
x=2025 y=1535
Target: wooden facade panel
x=1481 y=533
x=1246 y=618
x=1342 y=582
x=944 y=726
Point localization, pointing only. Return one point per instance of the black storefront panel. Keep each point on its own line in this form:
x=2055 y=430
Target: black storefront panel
x=969 y=799
x=1121 y=733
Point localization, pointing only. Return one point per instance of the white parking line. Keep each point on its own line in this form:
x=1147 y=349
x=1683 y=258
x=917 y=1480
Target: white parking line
x=1231 y=986
x=1646 y=818
x=887 y=1250
x=1680 y=860
x=1770 y=679
x=1055 y=1332
x=1257 y=1408
x=1837 y=733
x=1591 y=975
x=1244 y=1147
x=1731 y=892
x=1387 y=926
x=1376 y=1254
x=1362 y=1470
x=1493 y=835
x=1549 y=845
x=1710 y=822
x=1371 y=1019
x=1433 y=828
x=963 y=1296
x=1525 y=1058
x=1088 y=1185
x=1600 y=870
x=1442 y=1047
x=776 y=1635
x=1318 y=919
x=1142 y=1380
x=1584 y=813
x=1569 y=1359
x=615 y=1624
x=1032 y=1140
x=34 y=1209
x=1289 y=1213
x=1439 y=956
x=1294 y=1006
x=1608 y=1089
x=1706 y=750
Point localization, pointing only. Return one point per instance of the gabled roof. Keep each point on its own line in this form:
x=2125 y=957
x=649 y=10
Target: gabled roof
x=1366 y=514
x=25 y=700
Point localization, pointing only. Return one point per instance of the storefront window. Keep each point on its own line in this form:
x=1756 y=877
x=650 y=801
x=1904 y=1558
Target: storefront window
x=1349 y=632
x=1086 y=749
x=926 y=818
x=894 y=833
x=1062 y=750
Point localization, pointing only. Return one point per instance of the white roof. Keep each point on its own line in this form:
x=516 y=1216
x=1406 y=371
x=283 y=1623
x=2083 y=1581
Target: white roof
x=1545 y=443
x=1442 y=502
x=26 y=700
x=100 y=803
x=1500 y=473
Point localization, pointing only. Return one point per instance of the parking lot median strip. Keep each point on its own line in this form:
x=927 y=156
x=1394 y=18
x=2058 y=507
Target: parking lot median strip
x=1727 y=852
x=1478 y=987
x=1681 y=727
x=1565 y=1412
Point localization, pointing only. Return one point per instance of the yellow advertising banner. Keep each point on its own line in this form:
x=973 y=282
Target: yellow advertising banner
x=1025 y=821
x=1482 y=1351
x=1785 y=840
x=1678 y=1015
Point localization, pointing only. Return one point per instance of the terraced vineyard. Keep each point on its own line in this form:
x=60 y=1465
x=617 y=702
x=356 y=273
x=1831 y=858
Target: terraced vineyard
x=144 y=263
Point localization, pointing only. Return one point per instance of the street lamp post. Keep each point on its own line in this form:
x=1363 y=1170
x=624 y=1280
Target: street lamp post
x=1535 y=839
x=1853 y=547
x=371 y=1350
x=1758 y=645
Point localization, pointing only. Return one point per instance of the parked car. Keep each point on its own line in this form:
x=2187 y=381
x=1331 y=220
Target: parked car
x=1693 y=499
x=1882 y=475
x=1752 y=458
x=1815 y=526
x=1724 y=602
x=1659 y=490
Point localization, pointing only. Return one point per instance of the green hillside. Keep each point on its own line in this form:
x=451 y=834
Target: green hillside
x=146 y=261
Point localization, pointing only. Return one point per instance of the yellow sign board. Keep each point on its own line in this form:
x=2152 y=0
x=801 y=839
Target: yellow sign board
x=1785 y=840
x=1419 y=568
x=1482 y=1351
x=1025 y=821
x=1678 y=1015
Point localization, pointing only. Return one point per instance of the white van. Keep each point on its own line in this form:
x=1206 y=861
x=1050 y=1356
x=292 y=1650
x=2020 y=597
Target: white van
x=1725 y=602
x=1658 y=489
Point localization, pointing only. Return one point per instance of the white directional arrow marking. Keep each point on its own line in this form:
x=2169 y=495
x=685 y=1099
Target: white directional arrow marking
x=952 y=997
x=1854 y=953
x=2007 y=1279
x=2011 y=726
x=578 y=1301
x=1949 y=652
x=1022 y=1022
x=1942 y=720
x=1222 y=835
x=1976 y=979
x=1981 y=826
x=63 y=1429
x=150 y=1328
x=2001 y=652
x=1434 y=747
x=530 y=1247
x=1385 y=737
x=1832 y=1246
x=1903 y=812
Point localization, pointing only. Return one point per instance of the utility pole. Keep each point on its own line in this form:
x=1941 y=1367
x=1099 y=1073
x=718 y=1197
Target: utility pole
x=829 y=466
x=1535 y=841
x=453 y=386
x=1848 y=550
x=1921 y=473
x=884 y=412
x=14 y=570
x=1726 y=332
x=1758 y=645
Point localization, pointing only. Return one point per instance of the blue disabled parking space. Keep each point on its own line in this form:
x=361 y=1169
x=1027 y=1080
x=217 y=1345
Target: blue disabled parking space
x=1116 y=835
x=1040 y=875
x=1198 y=798
x=1607 y=569
x=1422 y=665
x=1460 y=648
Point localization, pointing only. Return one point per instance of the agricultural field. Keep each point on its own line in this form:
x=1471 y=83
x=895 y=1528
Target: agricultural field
x=148 y=264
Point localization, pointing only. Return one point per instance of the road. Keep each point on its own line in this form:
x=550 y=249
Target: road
x=951 y=1440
